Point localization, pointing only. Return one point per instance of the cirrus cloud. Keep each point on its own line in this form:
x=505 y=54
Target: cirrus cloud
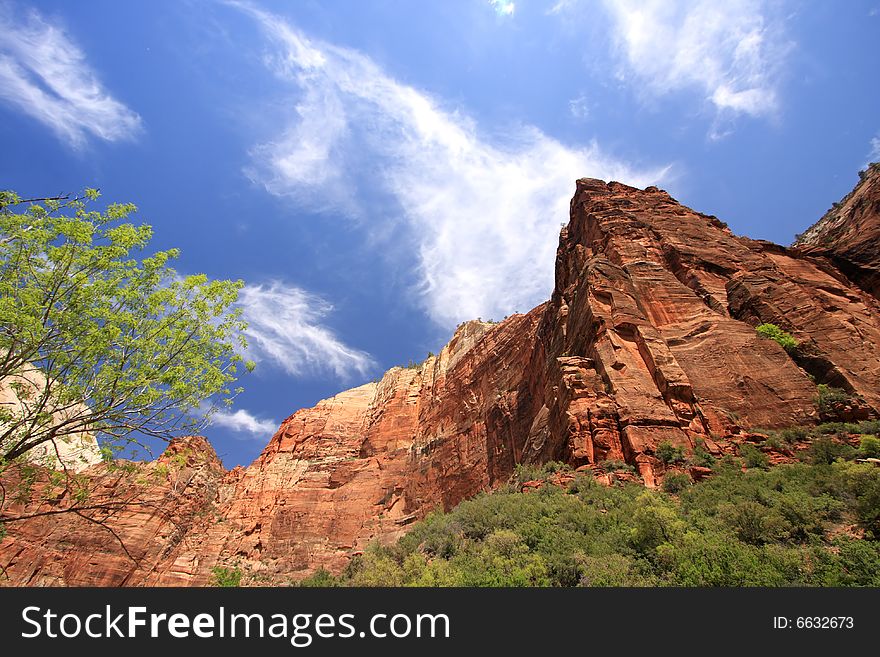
x=285 y=330
x=481 y=211
x=44 y=74
x=732 y=52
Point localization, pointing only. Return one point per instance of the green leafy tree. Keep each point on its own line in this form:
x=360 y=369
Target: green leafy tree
x=122 y=346
x=669 y=453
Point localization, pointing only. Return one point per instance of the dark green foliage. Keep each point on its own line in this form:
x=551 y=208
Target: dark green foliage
x=225 y=577
x=834 y=428
x=320 y=578
x=782 y=338
x=825 y=450
x=775 y=441
x=526 y=473
x=616 y=465
x=829 y=396
x=869 y=447
x=794 y=434
x=753 y=522
x=870 y=427
x=669 y=453
x=675 y=482
x=701 y=455
x=754 y=528
x=753 y=457
x=858 y=484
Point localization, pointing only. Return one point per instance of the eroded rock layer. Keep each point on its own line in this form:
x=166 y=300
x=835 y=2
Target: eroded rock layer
x=648 y=338
x=849 y=233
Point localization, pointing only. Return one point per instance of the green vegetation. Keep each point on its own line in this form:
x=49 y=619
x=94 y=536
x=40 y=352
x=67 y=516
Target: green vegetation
x=413 y=365
x=782 y=338
x=524 y=473
x=784 y=526
x=701 y=456
x=616 y=465
x=794 y=434
x=675 y=482
x=869 y=447
x=828 y=397
x=669 y=453
x=117 y=346
x=225 y=577
x=753 y=457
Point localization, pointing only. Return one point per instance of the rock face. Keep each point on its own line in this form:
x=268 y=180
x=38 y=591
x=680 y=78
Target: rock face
x=849 y=233
x=131 y=519
x=75 y=451
x=648 y=338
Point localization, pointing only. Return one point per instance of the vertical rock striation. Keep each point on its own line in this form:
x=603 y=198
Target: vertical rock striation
x=648 y=338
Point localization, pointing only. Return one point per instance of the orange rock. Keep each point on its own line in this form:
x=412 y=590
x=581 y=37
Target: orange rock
x=698 y=473
x=849 y=233
x=648 y=338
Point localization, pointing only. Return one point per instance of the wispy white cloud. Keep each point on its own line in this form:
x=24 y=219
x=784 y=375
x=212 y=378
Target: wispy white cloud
x=503 y=7
x=483 y=210
x=285 y=330
x=732 y=52
x=579 y=107
x=44 y=74
x=243 y=421
x=874 y=155
x=561 y=6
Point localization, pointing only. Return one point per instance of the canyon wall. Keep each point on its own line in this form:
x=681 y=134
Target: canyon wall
x=648 y=338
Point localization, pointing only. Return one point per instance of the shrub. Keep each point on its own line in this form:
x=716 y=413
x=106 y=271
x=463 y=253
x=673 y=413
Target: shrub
x=859 y=562
x=675 y=482
x=794 y=434
x=669 y=453
x=716 y=559
x=833 y=428
x=655 y=521
x=581 y=483
x=225 y=577
x=614 y=570
x=753 y=457
x=775 y=441
x=780 y=337
x=753 y=528
x=829 y=396
x=531 y=472
x=701 y=455
x=870 y=447
x=870 y=426
x=859 y=485
x=753 y=523
x=320 y=578
x=825 y=451
x=616 y=465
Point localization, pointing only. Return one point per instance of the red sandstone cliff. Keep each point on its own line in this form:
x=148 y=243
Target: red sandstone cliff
x=849 y=233
x=648 y=337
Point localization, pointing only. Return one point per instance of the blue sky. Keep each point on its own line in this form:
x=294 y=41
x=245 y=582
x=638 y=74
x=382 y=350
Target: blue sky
x=377 y=172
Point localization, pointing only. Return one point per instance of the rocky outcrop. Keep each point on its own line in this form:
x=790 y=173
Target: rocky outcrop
x=648 y=338
x=849 y=233
x=117 y=528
